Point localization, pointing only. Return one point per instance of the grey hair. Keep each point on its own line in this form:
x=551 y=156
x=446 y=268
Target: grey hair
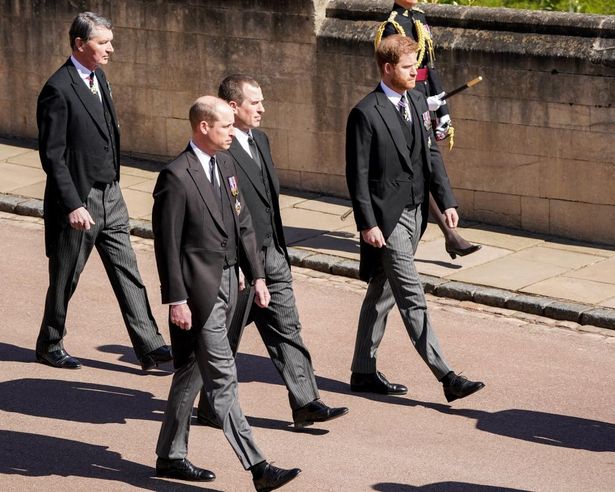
x=84 y=25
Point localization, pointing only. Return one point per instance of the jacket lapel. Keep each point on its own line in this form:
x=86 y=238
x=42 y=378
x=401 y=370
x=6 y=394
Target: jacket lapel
x=249 y=167
x=90 y=102
x=195 y=169
x=423 y=132
x=391 y=121
x=263 y=146
x=106 y=92
x=228 y=171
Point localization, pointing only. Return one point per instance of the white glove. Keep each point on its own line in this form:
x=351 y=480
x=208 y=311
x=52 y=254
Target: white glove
x=435 y=102
x=442 y=129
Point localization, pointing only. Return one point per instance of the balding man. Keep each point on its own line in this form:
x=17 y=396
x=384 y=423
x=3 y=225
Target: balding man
x=202 y=234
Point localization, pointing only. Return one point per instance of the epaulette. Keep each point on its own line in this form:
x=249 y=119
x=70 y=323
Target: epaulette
x=391 y=20
x=418 y=10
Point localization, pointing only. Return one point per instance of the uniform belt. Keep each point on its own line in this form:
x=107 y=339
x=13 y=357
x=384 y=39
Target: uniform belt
x=421 y=74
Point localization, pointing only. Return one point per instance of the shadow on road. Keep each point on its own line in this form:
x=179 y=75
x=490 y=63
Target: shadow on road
x=78 y=401
x=442 y=487
x=527 y=425
x=127 y=355
x=445 y=264
x=14 y=353
x=545 y=428
x=34 y=455
x=102 y=404
x=252 y=367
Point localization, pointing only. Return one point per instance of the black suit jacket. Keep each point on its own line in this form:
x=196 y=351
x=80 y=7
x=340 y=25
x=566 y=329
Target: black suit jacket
x=254 y=191
x=379 y=164
x=190 y=240
x=73 y=139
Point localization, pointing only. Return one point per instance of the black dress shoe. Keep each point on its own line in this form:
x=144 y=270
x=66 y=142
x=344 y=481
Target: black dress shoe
x=58 y=358
x=316 y=411
x=205 y=420
x=459 y=387
x=375 y=383
x=274 y=478
x=454 y=252
x=182 y=470
x=155 y=357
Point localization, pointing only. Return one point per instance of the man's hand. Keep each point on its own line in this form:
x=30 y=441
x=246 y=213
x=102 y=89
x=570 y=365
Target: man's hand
x=261 y=293
x=435 y=102
x=181 y=316
x=373 y=237
x=80 y=219
x=451 y=217
x=242 y=280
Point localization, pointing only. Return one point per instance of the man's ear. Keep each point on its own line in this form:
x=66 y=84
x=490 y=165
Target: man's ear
x=233 y=105
x=79 y=42
x=204 y=127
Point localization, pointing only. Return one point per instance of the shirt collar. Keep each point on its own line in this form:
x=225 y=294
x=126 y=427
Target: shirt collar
x=204 y=157
x=83 y=71
x=243 y=136
x=392 y=95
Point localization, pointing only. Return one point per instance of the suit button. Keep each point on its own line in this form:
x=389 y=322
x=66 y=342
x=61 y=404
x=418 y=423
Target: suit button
x=268 y=236
x=267 y=210
x=106 y=147
x=223 y=243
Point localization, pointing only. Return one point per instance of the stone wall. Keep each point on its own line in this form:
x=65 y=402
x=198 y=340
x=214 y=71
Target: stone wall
x=167 y=53
x=534 y=146
x=534 y=143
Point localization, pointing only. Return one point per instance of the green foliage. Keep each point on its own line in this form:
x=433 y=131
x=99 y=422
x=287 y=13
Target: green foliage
x=604 y=7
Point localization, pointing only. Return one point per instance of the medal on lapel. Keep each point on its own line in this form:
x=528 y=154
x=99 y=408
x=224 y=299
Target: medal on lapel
x=237 y=206
x=232 y=182
x=427 y=121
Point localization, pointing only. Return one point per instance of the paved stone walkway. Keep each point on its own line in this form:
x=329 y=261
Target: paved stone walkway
x=536 y=274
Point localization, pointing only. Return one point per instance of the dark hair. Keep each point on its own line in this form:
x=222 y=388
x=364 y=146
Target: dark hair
x=84 y=24
x=392 y=48
x=231 y=88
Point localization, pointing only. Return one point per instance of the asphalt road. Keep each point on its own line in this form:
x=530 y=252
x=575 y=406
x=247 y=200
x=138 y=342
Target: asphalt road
x=545 y=421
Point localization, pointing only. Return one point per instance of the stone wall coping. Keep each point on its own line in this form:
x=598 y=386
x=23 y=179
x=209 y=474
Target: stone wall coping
x=485 y=18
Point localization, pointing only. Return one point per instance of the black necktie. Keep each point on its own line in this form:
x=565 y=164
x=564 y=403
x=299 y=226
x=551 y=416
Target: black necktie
x=212 y=174
x=254 y=151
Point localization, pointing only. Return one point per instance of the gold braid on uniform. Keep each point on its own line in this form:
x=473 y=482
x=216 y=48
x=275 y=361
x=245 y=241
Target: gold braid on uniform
x=380 y=31
x=451 y=137
x=423 y=40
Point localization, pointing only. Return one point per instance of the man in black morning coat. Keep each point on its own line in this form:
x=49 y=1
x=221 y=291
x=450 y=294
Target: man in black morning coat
x=79 y=146
x=392 y=164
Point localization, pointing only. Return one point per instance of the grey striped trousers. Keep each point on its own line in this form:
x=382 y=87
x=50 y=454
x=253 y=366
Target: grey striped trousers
x=213 y=369
x=396 y=281
x=280 y=329
x=111 y=236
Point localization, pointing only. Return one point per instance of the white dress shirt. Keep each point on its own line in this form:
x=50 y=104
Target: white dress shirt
x=394 y=97
x=204 y=159
x=242 y=137
x=84 y=73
